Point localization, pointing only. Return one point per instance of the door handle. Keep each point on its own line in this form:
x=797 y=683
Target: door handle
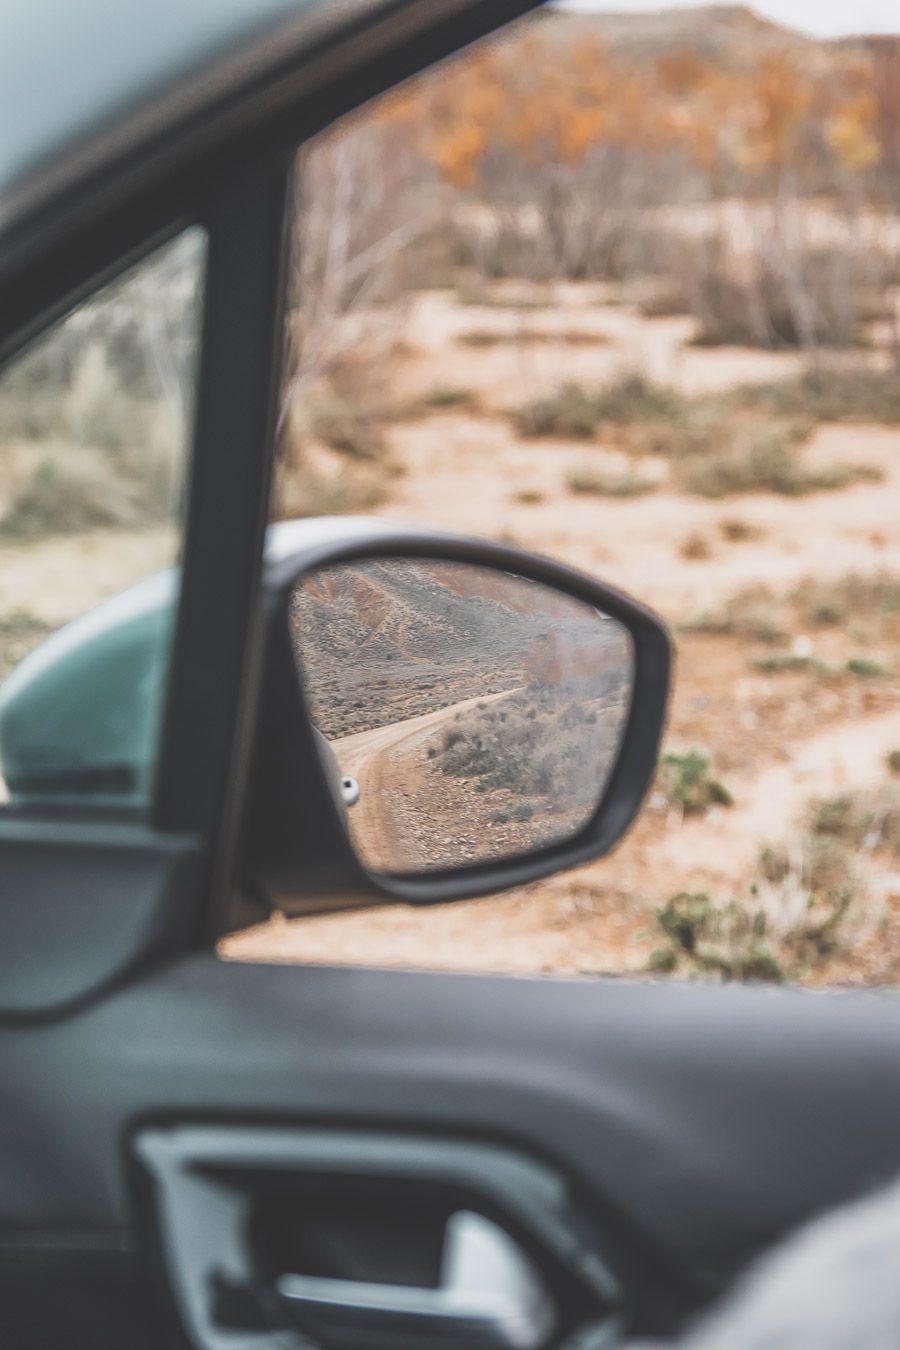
x=490 y=1297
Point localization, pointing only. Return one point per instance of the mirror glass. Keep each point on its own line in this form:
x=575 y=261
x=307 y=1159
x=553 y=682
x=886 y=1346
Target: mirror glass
x=465 y=714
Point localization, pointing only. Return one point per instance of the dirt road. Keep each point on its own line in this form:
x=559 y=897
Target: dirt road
x=368 y=757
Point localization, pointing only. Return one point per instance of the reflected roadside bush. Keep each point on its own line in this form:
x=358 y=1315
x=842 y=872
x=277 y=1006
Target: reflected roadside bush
x=543 y=741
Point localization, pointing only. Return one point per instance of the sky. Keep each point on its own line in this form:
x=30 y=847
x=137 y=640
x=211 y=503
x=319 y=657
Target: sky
x=825 y=18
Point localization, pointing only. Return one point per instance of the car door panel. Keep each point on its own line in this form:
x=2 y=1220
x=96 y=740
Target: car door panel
x=694 y=1123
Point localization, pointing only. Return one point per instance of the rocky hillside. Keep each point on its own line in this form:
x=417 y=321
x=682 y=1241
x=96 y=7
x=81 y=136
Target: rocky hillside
x=729 y=36
x=384 y=641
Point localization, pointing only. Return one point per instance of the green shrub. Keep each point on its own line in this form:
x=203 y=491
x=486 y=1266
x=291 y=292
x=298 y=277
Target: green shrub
x=687 y=780
x=727 y=940
x=781 y=663
x=864 y=668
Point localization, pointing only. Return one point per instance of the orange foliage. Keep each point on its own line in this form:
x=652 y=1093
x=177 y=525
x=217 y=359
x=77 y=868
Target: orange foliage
x=852 y=132
x=778 y=97
x=550 y=105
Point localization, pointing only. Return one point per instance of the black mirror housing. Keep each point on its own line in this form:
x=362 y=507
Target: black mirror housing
x=297 y=848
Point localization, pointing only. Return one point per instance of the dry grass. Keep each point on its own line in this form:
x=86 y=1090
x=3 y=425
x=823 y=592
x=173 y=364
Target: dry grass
x=532 y=337
x=76 y=490
x=590 y=481
x=19 y=632
x=308 y=491
x=753 y=614
x=792 y=663
x=835 y=393
x=766 y=460
x=570 y=413
x=350 y=427
x=868 y=604
x=579 y=413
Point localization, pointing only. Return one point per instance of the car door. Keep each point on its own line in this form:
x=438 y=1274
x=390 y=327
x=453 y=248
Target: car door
x=200 y=1152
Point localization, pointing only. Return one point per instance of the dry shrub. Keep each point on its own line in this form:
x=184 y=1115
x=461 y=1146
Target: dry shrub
x=545 y=742
x=780 y=292
x=830 y=393
x=570 y=412
x=19 y=632
x=80 y=490
x=753 y=613
x=578 y=413
x=445 y=397
x=531 y=337
x=529 y=497
x=737 y=531
x=589 y=481
x=309 y=491
x=103 y=400
x=346 y=426
x=870 y=603
x=695 y=548
x=764 y=459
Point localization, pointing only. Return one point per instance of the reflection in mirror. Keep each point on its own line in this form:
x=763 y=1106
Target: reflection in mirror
x=466 y=714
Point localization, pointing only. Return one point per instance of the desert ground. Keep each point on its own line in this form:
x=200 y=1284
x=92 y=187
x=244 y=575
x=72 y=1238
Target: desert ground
x=762 y=690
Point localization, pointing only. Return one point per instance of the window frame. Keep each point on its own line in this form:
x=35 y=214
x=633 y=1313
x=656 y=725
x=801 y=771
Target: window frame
x=233 y=178
x=239 y=202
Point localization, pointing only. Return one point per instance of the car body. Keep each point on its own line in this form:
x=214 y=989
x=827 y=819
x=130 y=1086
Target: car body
x=641 y=1142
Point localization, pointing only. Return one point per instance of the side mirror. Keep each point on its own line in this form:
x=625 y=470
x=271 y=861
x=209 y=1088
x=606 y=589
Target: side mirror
x=441 y=718
x=438 y=718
